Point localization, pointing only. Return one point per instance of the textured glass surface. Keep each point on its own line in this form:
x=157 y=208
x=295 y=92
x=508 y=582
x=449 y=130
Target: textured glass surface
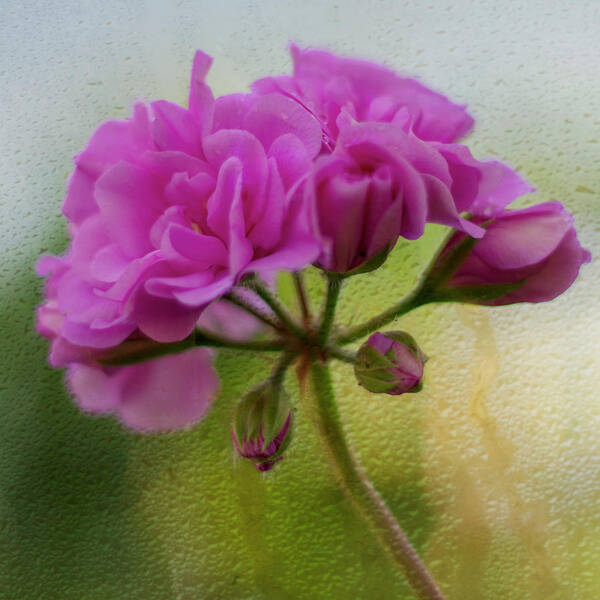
x=494 y=469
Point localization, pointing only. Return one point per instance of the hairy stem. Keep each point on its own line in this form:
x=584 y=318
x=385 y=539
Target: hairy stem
x=358 y=487
x=340 y=354
x=135 y=351
x=409 y=302
x=261 y=316
x=286 y=359
x=334 y=285
x=276 y=306
x=297 y=275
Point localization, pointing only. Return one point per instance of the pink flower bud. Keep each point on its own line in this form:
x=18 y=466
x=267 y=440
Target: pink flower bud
x=529 y=255
x=390 y=363
x=261 y=429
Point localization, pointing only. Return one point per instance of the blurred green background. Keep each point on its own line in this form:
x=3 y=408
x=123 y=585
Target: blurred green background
x=493 y=470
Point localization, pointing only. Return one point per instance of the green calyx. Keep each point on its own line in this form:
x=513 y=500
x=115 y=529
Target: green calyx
x=264 y=410
x=379 y=372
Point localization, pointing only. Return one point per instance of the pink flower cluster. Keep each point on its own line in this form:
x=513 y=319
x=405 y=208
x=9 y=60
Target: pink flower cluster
x=170 y=209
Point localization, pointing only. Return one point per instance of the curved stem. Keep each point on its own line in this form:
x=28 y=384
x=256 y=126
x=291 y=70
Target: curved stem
x=340 y=354
x=334 y=285
x=442 y=265
x=136 y=351
x=277 y=308
x=297 y=275
x=204 y=338
x=409 y=302
x=286 y=359
x=360 y=490
x=255 y=312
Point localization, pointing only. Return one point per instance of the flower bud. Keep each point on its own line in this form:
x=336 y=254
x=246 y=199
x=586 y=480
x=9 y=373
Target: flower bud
x=390 y=363
x=262 y=425
x=526 y=255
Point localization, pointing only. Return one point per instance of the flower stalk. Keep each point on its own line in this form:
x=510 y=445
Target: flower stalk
x=302 y=298
x=334 y=284
x=276 y=306
x=360 y=490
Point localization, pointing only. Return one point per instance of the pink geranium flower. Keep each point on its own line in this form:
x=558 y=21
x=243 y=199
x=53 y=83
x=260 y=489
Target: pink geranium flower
x=381 y=183
x=535 y=249
x=327 y=85
x=169 y=209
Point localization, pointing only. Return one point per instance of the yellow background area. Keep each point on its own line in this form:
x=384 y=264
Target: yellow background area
x=493 y=470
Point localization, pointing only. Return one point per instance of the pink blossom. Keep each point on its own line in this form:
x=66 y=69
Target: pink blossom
x=165 y=393
x=169 y=209
x=535 y=248
x=170 y=392
x=390 y=363
x=381 y=183
x=327 y=85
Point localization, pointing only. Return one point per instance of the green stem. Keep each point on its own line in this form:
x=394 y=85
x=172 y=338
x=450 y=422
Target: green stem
x=429 y=289
x=334 y=285
x=302 y=298
x=360 y=490
x=409 y=302
x=204 y=338
x=278 y=373
x=337 y=352
x=277 y=308
x=231 y=297
x=136 y=351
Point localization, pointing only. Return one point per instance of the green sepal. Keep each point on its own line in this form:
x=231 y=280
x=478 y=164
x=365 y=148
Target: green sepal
x=284 y=444
x=375 y=385
x=275 y=413
x=263 y=410
x=243 y=414
x=405 y=339
x=445 y=266
x=368 y=358
x=416 y=389
x=369 y=265
x=475 y=294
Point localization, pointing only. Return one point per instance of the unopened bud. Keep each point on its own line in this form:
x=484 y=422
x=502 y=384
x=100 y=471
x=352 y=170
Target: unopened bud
x=390 y=363
x=262 y=425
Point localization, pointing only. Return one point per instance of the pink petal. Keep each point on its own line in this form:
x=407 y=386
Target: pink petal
x=130 y=202
x=267 y=232
x=387 y=231
x=219 y=204
x=162 y=319
x=204 y=250
x=524 y=237
x=274 y=115
x=240 y=248
x=172 y=392
x=175 y=128
x=201 y=296
x=293 y=255
x=221 y=146
x=554 y=276
x=341 y=205
x=109 y=264
x=231 y=110
x=442 y=210
x=83 y=334
x=201 y=101
x=94 y=390
x=292 y=158
x=79 y=203
x=226 y=319
x=112 y=142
